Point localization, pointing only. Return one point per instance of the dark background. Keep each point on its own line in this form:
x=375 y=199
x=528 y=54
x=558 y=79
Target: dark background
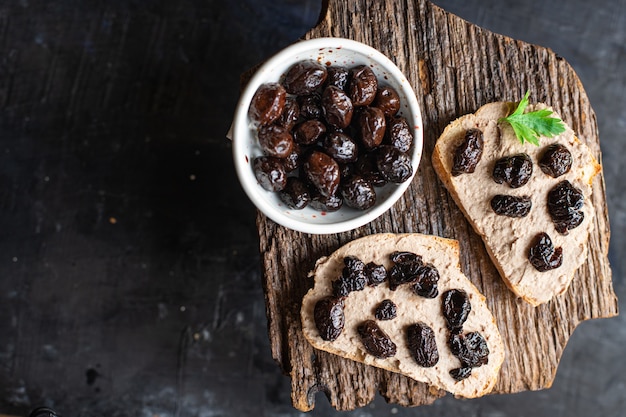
x=129 y=267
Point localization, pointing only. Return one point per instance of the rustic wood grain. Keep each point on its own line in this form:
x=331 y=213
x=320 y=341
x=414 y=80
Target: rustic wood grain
x=454 y=67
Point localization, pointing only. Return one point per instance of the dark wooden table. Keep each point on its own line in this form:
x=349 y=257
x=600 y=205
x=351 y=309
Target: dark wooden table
x=131 y=278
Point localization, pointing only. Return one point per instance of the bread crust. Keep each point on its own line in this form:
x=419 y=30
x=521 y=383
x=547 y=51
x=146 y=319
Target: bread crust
x=359 y=306
x=532 y=286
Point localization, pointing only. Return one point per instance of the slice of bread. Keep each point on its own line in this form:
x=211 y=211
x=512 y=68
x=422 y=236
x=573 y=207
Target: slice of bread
x=359 y=306
x=508 y=239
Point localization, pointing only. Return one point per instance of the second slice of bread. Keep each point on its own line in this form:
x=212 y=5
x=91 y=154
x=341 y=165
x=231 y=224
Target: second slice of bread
x=508 y=239
x=411 y=308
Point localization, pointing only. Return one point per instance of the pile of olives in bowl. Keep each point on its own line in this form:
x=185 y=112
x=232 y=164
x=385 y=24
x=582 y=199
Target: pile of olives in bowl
x=327 y=136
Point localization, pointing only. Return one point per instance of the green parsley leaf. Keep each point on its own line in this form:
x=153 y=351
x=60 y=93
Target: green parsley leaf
x=529 y=126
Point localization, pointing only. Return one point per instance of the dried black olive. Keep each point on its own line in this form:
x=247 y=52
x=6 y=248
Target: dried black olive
x=309 y=131
x=329 y=318
x=514 y=170
x=337 y=107
x=323 y=203
x=366 y=168
x=422 y=344
x=426 y=283
x=270 y=173
x=388 y=100
x=294 y=159
x=401 y=274
x=511 y=206
x=398 y=134
x=456 y=307
x=468 y=153
x=477 y=345
x=375 y=340
x=341 y=147
x=352 y=277
x=556 y=160
x=295 y=194
x=358 y=193
x=323 y=172
x=565 y=203
x=370 y=126
x=338 y=76
x=375 y=274
x=405 y=258
x=460 y=374
x=386 y=310
x=455 y=341
x=352 y=264
x=290 y=114
x=344 y=285
x=275 y=141
x=405 y=269
x=543 y=255
x=393 y=164
x=362 y=86
x=304 y=77
x=471 y=349
x=310 y=106
x=267 y=103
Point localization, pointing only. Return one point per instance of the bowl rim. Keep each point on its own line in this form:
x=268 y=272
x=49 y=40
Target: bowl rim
x=241 y=126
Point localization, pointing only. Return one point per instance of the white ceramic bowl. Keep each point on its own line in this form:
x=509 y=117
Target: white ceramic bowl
x=328 y=51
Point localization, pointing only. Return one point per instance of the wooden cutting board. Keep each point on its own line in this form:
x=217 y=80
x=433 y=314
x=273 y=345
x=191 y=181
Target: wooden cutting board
x=454 y=68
